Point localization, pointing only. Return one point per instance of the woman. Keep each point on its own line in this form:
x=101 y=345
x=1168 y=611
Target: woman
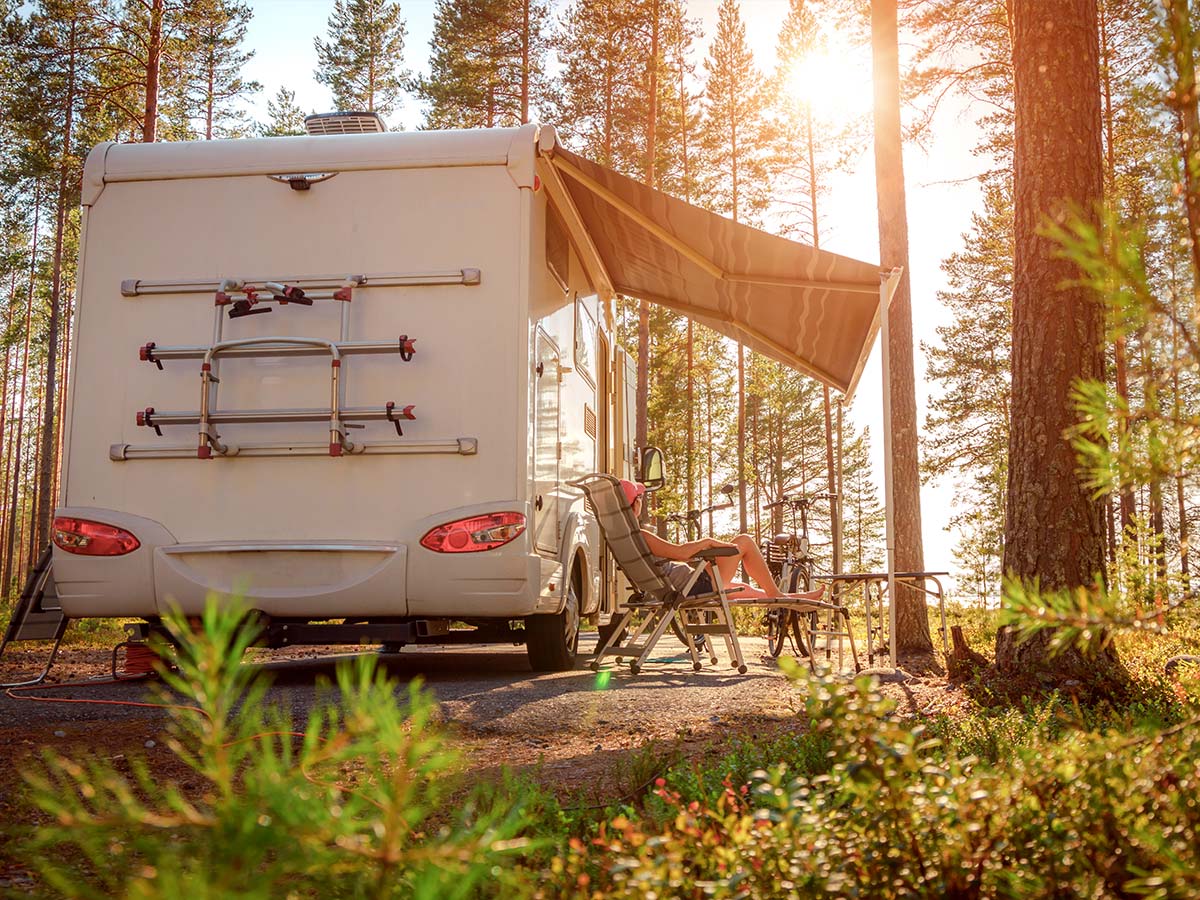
x=748 y=555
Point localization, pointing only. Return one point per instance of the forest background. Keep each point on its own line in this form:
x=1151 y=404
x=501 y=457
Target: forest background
x=759 y=111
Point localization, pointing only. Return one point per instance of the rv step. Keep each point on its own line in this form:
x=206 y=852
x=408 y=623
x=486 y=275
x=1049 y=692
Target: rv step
x=150 y=418
x=37 y=616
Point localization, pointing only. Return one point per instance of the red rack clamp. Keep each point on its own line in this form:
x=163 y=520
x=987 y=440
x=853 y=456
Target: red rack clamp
x=406 y=347
x=145 y=419
x=405 y=413
x=146 y=354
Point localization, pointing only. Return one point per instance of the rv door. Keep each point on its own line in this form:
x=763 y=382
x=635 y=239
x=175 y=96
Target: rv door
x=546 y=445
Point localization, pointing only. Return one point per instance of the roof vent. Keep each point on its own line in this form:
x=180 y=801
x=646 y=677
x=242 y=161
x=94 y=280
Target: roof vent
x=344 y=123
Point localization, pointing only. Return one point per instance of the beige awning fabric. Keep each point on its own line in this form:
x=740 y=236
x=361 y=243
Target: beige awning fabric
x=812 y=310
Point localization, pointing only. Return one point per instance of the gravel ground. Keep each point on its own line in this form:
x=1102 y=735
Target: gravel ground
x=573 y=731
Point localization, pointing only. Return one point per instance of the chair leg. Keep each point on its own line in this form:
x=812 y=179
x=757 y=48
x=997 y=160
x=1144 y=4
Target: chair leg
x=691 y=644
x=612 y=639
x=662 y=620
x=850 y=634
x=731 y=636
x=801 y=620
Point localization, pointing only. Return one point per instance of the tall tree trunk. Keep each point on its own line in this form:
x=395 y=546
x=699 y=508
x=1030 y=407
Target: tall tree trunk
x=526 y=71
x=1053 y=526
x=48 y=457
x=691 y=421
x=643 y=363
x=5 y=442
x=14 y=523
x=1110 y=179
x=741 y=439
x=153 y=65
x=708 y=418
x=834 y=485
x=912 y=614
x=1184 y=97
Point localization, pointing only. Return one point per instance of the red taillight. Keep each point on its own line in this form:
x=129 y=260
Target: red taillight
x=92 y=538
x=475 y=534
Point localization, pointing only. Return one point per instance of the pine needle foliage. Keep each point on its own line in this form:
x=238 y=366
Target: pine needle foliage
x=352 y=806
x=362 y=63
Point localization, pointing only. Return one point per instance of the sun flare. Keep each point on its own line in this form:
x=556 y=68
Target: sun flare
x=833 y=82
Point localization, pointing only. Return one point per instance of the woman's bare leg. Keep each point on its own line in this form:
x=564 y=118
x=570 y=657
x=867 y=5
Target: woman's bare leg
x=757 y=569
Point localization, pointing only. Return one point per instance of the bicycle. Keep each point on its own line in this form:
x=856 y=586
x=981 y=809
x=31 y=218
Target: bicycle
x=789 y=554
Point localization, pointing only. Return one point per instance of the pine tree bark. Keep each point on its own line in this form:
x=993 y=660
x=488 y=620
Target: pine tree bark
x=48 y=457
x=14 y=528
x=1053 y=526
x=153 y=65
x=912 y=614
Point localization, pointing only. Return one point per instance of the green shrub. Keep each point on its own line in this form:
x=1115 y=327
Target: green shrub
x=900 y=814
x=352 y=806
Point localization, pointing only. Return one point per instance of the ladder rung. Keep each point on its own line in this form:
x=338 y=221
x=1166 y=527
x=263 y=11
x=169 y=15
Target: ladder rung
x=151 y=353
x=151 y=418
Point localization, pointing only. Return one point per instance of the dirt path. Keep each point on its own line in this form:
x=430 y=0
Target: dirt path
x=574 y=731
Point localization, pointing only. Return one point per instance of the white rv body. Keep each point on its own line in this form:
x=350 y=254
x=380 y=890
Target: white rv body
x=516 y=384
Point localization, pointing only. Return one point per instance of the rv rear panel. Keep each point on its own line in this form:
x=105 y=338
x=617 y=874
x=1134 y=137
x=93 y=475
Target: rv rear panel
x=424 y=238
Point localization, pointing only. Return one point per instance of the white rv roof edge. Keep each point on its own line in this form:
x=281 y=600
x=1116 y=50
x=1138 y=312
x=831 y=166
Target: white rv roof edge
x=323 y=153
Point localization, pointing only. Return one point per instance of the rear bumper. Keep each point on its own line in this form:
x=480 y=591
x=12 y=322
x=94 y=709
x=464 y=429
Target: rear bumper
x=304 y=579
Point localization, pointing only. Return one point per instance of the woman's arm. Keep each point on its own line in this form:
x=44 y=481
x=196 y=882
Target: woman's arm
x=679 y=552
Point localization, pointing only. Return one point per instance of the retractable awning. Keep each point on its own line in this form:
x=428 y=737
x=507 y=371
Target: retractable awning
x=809 y=309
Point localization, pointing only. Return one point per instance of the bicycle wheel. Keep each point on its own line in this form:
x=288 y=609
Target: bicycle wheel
x=801 y=580
x=777 y=627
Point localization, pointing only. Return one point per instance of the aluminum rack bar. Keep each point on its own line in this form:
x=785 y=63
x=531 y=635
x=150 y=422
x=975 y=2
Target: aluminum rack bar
x=464 y=446
x=143 y=287
x=151 y=352
x=150 y=417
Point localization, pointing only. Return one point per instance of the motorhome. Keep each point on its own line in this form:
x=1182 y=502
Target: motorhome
x=347 y=377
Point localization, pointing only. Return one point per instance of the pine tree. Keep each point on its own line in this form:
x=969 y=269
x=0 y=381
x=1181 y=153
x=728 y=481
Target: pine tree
x=211 y=84
x=600 y=97
x=286 y=118
x=486 y=63
x=362 y=62
x=1053 y=525
x=733 y=133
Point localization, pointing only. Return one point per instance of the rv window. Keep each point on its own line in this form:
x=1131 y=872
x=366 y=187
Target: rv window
x=585 y=339
x=558 y=249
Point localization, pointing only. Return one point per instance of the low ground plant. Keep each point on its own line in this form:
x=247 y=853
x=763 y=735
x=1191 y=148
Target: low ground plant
x=354 y=805
x=899 y=811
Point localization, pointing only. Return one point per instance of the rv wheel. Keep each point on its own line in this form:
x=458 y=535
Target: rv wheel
x=551 y=641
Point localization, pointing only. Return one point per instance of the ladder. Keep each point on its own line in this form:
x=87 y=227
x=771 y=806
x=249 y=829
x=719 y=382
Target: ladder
x=236 y=298
x=37 y=616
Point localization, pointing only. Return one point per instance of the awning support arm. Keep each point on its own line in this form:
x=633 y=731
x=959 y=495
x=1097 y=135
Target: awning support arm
x=590 y=256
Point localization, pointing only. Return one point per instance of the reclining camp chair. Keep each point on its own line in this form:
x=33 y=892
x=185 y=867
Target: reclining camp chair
x=654 y=595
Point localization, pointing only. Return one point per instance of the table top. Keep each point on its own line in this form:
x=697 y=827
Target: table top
x=878 y=576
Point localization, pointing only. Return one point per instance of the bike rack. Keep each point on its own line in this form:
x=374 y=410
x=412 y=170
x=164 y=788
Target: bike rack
x=236 y=298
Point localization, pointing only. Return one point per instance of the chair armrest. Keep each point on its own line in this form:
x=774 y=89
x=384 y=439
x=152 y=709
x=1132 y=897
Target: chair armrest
x=714 y=552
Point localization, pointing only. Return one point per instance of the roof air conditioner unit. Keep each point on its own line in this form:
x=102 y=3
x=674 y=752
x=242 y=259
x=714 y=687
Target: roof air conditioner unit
x=344 y=123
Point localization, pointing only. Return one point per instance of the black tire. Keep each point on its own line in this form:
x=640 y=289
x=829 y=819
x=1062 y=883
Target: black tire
x=800 y=580
x=552 y=641
x=777 y=622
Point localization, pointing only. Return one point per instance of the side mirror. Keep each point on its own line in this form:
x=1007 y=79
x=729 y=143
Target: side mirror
x=729 y=490
x=653 y=471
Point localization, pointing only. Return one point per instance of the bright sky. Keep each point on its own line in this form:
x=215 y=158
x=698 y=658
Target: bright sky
x=940 y=196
